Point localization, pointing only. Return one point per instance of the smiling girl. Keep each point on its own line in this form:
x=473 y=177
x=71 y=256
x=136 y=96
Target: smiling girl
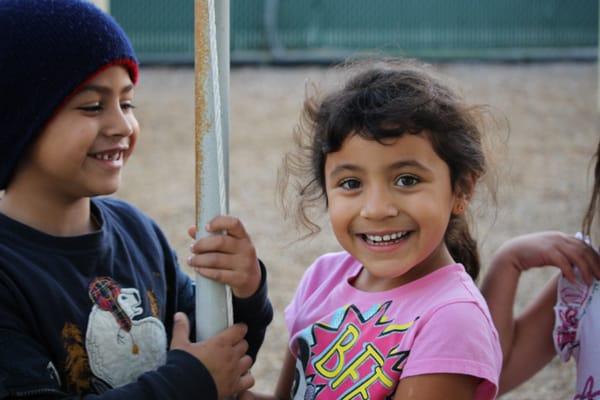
x=395 y=156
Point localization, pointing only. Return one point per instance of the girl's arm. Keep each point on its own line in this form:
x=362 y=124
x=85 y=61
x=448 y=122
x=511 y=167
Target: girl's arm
x=284 y=384
x=526 y=341
x=437 y=387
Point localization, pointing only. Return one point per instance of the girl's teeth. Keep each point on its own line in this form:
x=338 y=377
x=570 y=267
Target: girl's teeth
x=385 y=238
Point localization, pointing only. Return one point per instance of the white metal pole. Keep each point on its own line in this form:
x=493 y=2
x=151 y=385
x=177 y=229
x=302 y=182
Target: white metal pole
x=222 y=15
x=213 y=300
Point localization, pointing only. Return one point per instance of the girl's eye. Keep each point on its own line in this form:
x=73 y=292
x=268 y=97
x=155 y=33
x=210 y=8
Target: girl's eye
x=350 y=184
x=407 y=180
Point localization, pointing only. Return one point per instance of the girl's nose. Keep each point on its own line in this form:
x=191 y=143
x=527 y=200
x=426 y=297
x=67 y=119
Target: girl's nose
x=379 y=204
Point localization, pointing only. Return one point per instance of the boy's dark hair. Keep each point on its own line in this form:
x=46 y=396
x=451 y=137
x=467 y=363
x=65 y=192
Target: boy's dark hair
x=594 y=205
x=388 y=100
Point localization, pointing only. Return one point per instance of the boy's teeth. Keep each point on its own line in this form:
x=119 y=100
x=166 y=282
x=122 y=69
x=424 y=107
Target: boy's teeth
x=109 y=157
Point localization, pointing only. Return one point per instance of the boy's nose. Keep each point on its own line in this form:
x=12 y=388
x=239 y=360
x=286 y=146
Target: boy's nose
x=379 y=204
x=119 y=123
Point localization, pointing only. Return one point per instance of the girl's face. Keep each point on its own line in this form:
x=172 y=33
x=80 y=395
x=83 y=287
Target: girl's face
x=82 y=150
x=389 y=206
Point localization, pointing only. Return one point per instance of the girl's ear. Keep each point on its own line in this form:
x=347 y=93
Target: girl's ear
x=463 y=192
x=459 y=206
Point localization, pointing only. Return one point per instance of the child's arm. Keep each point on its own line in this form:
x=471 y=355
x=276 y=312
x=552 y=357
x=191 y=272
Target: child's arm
x=27 y=365
x=527 y=340
x=284 y=384
x=231 y=259
x=437 y=387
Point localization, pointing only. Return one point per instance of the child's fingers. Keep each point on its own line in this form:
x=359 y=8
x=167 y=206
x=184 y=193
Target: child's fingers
x=192 y=231
x=216 y=244
x=563 y=263
x=246 y=379
x=246 y=396
x=181 y=330
x=234 y=334
x=570 y=260
x=589 y=257
x=585 y=258
x=227 y=276
x=232 y=225
x=213 y=260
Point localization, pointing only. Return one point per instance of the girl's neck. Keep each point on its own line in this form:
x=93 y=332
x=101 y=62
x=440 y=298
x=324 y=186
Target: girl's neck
x=439 y=258
x=51 y=213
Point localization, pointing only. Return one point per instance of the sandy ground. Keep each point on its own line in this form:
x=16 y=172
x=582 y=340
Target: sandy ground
x=551 y=109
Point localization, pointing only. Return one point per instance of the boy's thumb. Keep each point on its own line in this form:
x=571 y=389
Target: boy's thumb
x=181 y=328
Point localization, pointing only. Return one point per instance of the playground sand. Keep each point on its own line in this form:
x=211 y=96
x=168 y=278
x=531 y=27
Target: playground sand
x=542 y=156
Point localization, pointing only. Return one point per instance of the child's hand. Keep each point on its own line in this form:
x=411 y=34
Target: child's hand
x=228 y=258
x=224 y=355
x=551 y=249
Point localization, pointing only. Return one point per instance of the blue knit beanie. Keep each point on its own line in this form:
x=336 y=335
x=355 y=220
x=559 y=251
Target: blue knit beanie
x=48 y=48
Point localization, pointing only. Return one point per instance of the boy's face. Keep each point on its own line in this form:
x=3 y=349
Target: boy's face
x=82 y=150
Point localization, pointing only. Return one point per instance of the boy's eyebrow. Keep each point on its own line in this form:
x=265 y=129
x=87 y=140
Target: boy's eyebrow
x=104 y=89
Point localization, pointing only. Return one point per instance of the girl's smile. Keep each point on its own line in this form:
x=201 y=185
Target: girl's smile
x=389 y=205
x=384 y=241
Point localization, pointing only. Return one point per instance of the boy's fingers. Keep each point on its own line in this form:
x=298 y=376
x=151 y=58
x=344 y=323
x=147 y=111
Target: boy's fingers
x=235 y=333
x=241 y=348
x=246 y=382
x=218 y=275
x=192 y=232
x=232 y=225
x=215 y=243
x=246 y=396
x=181 y=328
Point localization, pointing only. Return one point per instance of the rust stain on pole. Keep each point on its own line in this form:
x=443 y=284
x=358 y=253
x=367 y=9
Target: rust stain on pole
x=201 y=71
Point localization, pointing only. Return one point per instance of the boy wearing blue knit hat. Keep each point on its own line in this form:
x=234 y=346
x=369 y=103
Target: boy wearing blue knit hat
x=92 y=301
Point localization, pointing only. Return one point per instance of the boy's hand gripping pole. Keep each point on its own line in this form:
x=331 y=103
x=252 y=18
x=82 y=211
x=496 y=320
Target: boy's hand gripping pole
x=213 y=300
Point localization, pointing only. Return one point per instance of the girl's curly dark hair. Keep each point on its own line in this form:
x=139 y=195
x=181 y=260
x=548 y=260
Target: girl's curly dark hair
x=387 y=100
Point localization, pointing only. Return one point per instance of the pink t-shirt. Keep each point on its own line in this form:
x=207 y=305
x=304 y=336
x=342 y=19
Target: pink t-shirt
x=351 y=344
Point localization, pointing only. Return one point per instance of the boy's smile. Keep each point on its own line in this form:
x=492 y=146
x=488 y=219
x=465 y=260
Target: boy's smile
x=111 y=158
x=389 y=205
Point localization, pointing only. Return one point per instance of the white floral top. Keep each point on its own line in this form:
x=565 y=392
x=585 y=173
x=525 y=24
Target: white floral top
x=577 y=332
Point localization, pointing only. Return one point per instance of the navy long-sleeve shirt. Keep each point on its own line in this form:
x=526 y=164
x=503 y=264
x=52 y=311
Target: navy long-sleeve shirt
x=92 y=315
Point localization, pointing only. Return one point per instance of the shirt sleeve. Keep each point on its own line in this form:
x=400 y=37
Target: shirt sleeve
x=457 y=338
x=256 y=312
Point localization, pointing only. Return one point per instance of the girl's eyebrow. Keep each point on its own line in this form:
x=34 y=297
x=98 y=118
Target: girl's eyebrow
x=397 y=165
x=345 y=167
x=104 y=89
x=409 y=163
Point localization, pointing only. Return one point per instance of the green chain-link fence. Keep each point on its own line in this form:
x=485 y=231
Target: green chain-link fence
x=330 y=30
